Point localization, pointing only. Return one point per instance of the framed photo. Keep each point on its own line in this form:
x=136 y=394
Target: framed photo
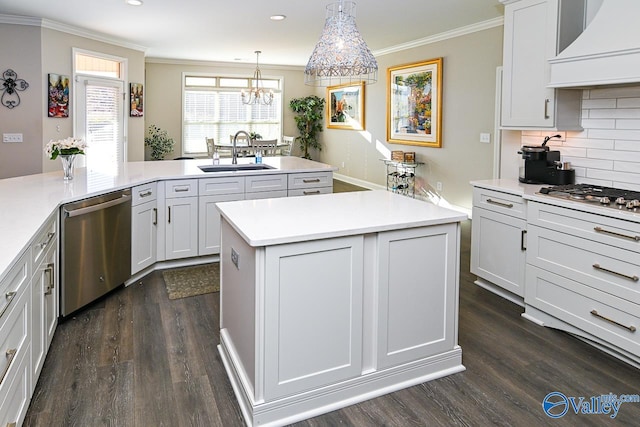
x=414 y=103
x=136 y=100
x=345 y=106
x=58 y=95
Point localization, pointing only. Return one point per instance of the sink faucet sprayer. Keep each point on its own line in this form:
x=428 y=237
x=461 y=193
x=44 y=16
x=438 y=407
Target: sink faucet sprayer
x=234 y=151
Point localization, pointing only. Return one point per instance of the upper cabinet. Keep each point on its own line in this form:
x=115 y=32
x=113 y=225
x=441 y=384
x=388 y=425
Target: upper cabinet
x=534 y=32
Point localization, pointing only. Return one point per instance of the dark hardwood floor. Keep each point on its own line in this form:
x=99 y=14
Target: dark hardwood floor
x=137 y=358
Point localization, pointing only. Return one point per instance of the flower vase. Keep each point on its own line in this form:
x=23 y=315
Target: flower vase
x=67 y=165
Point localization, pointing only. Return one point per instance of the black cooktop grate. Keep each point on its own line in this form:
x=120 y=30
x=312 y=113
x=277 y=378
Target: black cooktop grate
x=577 y=190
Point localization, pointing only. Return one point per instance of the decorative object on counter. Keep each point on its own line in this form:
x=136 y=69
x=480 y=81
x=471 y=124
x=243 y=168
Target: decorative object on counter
x=191 y=281
x=159 y=142
x=136 y=99
x=414 y=103
x=345 y=106
x=309 y=114
x=409 y=157
x=257 y=93
x=397 y=156
x=401 y=176
x=341 y=55
x=253 y=136
x=58 y=102
x=66 y=149
x=11 y=84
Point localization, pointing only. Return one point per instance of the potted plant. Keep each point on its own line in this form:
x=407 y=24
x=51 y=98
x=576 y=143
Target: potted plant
x=310 y=113
x=159 y=142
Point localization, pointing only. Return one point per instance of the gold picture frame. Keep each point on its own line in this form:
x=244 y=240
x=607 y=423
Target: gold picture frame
x=345 y=106
x=414 y=103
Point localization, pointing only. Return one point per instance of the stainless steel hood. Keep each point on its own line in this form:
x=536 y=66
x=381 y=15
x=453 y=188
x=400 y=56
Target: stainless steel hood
x=606 y=53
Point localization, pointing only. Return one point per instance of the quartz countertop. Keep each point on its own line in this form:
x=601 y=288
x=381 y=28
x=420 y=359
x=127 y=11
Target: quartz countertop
x=27 y=201
x=296 y=219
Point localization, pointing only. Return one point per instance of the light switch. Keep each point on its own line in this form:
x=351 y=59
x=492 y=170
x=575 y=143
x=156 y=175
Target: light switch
x=11 y=137
x=235 y=258
x=485 y=137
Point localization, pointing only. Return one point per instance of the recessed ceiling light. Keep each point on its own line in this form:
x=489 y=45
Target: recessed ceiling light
x=134 y=2
x=277 y=17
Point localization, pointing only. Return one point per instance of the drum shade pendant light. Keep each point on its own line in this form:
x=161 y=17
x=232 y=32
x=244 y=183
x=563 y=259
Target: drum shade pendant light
x=257 y=94
x=341 y=55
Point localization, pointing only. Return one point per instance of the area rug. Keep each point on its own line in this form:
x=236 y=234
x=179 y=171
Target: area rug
x=190 y=281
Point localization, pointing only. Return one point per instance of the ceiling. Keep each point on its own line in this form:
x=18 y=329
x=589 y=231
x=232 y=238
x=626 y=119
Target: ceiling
x=228 y=31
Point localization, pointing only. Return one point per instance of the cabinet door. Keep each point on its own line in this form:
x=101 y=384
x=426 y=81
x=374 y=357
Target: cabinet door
x=498 y=249
x=144 y=234
x=44 y=303
x=209 y=222
x=313 y=315
x=181 y=230
x=418 y=289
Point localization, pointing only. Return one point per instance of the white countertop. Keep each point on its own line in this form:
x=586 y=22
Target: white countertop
x=26 y=202
x=295 y=219
x=530 y=192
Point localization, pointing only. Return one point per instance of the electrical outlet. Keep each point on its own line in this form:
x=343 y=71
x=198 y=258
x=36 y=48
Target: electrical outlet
x=235 y=258
x=342 y=165
x=11 y=137
x=438 y=186
x=485 y=138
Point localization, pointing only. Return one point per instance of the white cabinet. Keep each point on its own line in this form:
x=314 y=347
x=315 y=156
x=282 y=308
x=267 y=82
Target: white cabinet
x=181 y=226
x=535 y=31
x=265 y=186
x=44 y=294
x=144 y=227
x=498 y=242
x=211 y=191
x=310 y=183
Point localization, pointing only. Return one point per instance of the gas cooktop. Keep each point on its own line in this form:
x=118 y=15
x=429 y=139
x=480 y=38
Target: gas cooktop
x=621 y=199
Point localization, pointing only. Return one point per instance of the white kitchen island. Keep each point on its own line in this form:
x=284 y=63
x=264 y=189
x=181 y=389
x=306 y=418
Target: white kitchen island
x=330 y=300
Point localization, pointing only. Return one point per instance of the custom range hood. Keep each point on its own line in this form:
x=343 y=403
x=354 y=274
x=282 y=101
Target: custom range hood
x=606 y=53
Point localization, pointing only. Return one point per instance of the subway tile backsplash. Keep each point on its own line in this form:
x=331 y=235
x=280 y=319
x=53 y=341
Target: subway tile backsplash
x=607 y=151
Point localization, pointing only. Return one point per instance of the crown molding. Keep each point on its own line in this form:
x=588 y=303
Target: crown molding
x=68 y=29
x=154 y=60
x=462 y=31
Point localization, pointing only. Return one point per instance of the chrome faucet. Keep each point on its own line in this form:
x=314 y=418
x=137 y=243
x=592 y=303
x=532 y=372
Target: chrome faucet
x=234 y=151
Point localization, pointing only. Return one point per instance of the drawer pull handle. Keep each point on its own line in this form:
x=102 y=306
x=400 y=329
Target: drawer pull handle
x=308 y=193
x=505 y=205
x=155 y=216
x=181 y=189
x=307 y=181
x=146 y=193
x=522 y=234
x=613 y=233
x=600 y=316
x=11 y=354
x=49 y=269
x=626 y=276
x=49 y=237
x=9 y=296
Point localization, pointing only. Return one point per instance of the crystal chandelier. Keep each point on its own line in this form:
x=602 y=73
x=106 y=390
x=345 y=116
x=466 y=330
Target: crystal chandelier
x=341 y=55
x=257 y=94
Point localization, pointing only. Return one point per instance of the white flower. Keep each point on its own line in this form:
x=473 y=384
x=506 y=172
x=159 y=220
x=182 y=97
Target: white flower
x=65 y=146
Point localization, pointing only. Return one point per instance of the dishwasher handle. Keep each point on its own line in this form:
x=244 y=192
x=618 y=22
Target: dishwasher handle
x=83 y=211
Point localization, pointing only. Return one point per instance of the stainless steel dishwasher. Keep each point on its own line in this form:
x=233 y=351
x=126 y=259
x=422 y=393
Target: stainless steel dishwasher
x=95 y=248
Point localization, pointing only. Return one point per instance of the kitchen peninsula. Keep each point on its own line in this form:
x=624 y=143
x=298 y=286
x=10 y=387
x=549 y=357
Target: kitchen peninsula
x=335 y=299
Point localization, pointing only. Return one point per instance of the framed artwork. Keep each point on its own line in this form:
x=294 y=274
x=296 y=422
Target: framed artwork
x=58 y=95
x=345 y=106
x=414 y=103
x=136 y=100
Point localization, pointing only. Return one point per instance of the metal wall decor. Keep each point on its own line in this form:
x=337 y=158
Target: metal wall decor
x=11 y=83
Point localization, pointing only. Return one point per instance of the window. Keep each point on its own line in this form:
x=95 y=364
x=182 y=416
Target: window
x=213 y=108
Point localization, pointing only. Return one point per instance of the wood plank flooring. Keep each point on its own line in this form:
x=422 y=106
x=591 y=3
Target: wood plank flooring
x=136 y=358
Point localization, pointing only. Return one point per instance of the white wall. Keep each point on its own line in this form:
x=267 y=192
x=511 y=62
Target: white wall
x=607 y=151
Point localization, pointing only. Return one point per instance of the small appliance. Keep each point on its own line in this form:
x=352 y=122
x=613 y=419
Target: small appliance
x=543 y=166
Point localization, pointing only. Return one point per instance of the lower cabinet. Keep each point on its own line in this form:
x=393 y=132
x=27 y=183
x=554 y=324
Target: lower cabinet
x=181 y=228
x=209 y=222
x=44 y=303
x=144 y=235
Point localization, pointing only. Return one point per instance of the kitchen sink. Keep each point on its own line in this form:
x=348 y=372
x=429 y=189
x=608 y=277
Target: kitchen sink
x=234 y=168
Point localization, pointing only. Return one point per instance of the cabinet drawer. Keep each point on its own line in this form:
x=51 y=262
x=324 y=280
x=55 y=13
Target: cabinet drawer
x=15 y=393
x=259 y=183
x=607 y=230
x=144 y=193
x=14 y=334
x=310 y=191
x=181 y=188
x=310 y=180
x=11 y=286
x=219 y=186
x=506 y=203
x=603 y=315
x=45 y=238
x=265 y=195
